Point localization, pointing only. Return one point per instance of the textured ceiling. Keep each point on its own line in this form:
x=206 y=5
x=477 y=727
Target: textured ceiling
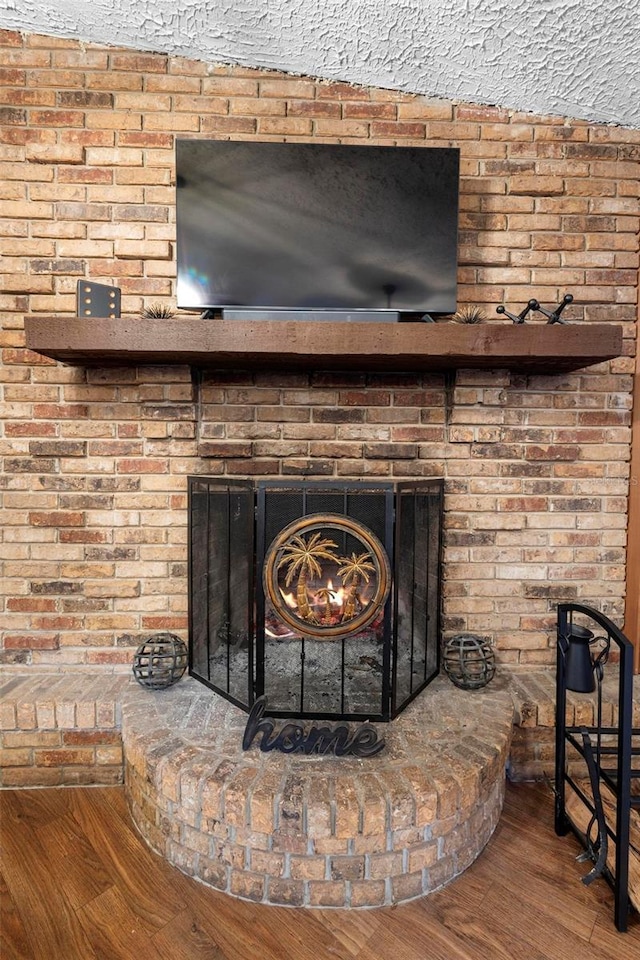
x=573 y=58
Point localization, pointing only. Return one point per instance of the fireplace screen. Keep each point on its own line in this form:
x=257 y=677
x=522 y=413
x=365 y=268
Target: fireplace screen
x=322 y=596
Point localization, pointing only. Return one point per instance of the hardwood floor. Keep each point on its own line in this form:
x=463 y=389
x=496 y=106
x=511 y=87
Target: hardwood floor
x=77 y=883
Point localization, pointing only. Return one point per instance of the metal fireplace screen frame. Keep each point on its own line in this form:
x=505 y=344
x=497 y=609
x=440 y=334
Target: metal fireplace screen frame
x=221 y=587
x=234 y=644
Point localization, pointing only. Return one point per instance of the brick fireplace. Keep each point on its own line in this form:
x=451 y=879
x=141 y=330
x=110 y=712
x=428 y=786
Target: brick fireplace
x=97 y=456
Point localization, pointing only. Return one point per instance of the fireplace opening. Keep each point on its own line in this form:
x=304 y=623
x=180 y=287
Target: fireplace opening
x=322 y=596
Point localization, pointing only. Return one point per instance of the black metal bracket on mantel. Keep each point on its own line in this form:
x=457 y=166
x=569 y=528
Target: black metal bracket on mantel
x=553 y=316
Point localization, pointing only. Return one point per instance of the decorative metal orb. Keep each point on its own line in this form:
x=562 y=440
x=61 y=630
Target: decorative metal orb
x=160 y=661
x=469 y=661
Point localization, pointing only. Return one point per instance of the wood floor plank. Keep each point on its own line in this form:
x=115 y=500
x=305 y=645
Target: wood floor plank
x=613 y=945
x=282 y=933
x=115 y=931
x=130 y=864
x=76 y=865
x=116 y=798
x=49 y=920
x=184 y=938
x=549 y=858
x=471 y=928
x=570 y=907
x=546 y=932
x=352 y=929
x=38 y=807
x=469 y=889
x=14 y=941
x=400 y=936
x=115 y=900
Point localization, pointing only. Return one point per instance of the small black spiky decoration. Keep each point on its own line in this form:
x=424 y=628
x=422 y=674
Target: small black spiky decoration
x=157 y=311
x=469 y=315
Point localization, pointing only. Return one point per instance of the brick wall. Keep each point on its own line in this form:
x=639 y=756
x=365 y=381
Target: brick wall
x=95 y=461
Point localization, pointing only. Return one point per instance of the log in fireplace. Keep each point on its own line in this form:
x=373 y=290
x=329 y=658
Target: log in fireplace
x=323 y=597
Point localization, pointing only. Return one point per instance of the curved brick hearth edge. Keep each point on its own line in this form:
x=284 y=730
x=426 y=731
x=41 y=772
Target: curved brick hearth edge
x=318 y=831
x=287 y=829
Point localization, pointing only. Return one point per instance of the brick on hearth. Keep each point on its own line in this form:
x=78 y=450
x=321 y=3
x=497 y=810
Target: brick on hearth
x=327 y=893
x=425 y=796
x=234 y=854
x=183 y=858
x=285 y=892
x=273 y=864
x=16 y=757
x=307 y=868
x=347 y=808
x=213 y=789
x=374 y=810
x=347 y=868
x=247 y=885
x=235 y=796
x=425 y=855
x=409 y=885
x=368 y=893
x=47 y=711
x=328 y=846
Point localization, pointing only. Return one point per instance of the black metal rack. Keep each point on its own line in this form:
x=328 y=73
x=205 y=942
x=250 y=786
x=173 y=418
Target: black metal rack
x=609 y=752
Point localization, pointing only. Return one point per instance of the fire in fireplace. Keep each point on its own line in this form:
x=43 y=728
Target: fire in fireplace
x=323 y=597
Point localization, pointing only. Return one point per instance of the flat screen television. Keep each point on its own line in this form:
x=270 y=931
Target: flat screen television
x=316 y=227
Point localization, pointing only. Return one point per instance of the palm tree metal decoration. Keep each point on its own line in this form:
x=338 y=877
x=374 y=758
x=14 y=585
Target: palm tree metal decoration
x=303 y=559
x=326 y=594
x=352 y=572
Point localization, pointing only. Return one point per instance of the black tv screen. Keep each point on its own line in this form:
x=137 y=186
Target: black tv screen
x=315 y=226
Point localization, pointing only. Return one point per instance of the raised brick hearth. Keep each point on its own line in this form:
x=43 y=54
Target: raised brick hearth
x=42 y=712
x=61 y=730
x=318 y=831
x=283 y=829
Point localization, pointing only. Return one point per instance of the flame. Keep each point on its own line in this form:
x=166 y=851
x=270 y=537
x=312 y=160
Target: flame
x=289 y=599
x=338 y=597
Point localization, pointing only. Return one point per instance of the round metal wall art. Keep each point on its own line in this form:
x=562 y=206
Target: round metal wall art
x=469 y=661
x=160 y=661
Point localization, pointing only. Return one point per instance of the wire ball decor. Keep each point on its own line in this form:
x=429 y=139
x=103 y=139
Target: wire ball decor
x=469 y=661
x=160 y=661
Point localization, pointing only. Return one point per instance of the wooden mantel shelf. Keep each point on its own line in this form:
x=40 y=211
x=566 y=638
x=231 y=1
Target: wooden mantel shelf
x=282 y=344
